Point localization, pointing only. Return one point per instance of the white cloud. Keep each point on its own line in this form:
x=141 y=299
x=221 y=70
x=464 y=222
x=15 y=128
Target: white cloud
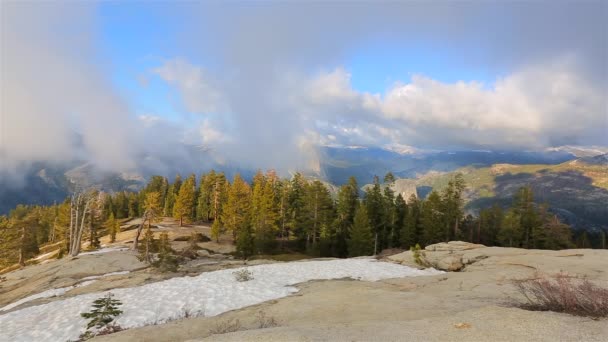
x=536 y=107
x=196 y=88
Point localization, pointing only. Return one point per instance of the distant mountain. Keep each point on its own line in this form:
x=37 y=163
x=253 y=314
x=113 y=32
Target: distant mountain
x=46 y=183
x=49 y=183
x=576 y=190
x=339 y=163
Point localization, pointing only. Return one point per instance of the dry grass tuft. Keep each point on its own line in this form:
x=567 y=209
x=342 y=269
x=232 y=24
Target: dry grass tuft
x=227 y=326
x=563 y=293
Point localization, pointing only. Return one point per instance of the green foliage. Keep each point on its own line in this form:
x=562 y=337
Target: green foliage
x=432 y=219
x=166 y=259
x=244 y=242
x=418 y=255
x=104 y=311
x=361 y=240
x=147 y=247
x=236 y=211
x=409 y=229
x=113 y=227
x=183 y=209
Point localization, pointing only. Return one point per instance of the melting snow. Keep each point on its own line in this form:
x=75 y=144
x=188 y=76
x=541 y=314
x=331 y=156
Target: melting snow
x=46 y=294
x=105 y=250
x=208 y=294
x=60 y=291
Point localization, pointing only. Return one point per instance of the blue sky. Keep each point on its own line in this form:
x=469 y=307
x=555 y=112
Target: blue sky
x=138 y=37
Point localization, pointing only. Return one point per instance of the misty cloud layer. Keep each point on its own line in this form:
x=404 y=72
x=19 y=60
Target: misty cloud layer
x=265 y=84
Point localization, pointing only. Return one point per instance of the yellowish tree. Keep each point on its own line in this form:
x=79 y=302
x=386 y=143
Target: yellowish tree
x=183 y=209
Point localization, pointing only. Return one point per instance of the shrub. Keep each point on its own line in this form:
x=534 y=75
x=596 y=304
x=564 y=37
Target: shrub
x=563 y=293
x=265 y=321
x=225 y=327
x=197 y=236
x=243 y=275
x=167 y=262
x=419 y=256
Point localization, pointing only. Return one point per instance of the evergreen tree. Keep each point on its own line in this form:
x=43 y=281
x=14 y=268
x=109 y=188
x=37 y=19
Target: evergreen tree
x=133 y=205
x=184 y=203
x=219 y=196
x=298 y=219
x=361 y=240
x=390 y=211
x=452 y=206
x=320 y=212
x=103 y=313
x=400 y=215
x=236 y=211
x=166 y=262
x=121 y=204
x=147 y=247
x=264 y=212
x=204 y=205
x=152 y=207
x=510 y=233
x=113 y=227
x=410 y=234
x=346 y=205
x=524 y=207
x=432 y=219
x=374 y=202
x=244 y=241
x=283 y=194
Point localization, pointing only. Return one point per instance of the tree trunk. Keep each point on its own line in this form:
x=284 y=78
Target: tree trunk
x=376 y=244
x=22 y=248
x=139 y=229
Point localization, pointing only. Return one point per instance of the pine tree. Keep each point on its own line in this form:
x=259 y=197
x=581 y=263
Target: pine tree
x=410 y=234
x=216 y=230
x=390 y=211
x=432 y=219
x=184 y=203
x=400 y=215
x=346 y=205
x=133 y=205
x=204 y=204
x=510 y=234
x=452 y=204
x=147 y=247
x=152 y=207
x=374 y=202
x=167 y=262
x=113 y=227
x=297 y=216
x=104 y=312
x=361 y=240
x=244 y=242
x=319 y=209
x=236 y=211
x=264 y=212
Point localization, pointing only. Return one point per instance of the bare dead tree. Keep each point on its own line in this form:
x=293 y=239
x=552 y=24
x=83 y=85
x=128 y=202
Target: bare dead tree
x=145 y=217
x=79 y=208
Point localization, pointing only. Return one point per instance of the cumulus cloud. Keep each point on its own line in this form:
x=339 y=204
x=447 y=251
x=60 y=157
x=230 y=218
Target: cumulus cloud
x=263 y=85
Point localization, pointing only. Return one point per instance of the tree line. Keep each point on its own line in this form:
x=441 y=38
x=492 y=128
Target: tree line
x=273 y=214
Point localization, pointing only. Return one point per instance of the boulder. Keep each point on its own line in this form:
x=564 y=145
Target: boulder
x=452 y=246
x=450 y=263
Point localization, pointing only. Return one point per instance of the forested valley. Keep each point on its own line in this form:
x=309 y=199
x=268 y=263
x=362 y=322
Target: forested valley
x=273 y=215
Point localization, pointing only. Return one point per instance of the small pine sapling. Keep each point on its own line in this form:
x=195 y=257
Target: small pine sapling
x=105 y=310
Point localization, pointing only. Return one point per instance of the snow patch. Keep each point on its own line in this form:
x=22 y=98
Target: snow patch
x=105 y=275
x=46 y=294
x=105 y=250
x=208 y=294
